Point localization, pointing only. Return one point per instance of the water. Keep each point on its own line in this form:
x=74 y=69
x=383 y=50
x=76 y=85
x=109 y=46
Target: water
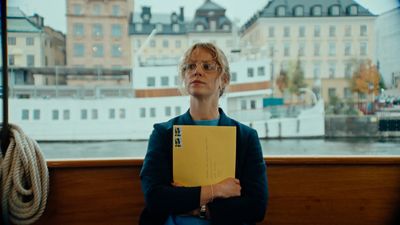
x=303 y=147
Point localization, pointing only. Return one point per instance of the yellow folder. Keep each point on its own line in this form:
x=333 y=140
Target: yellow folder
x=203 y=155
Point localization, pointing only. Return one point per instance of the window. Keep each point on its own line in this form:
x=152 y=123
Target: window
x=347 y=31
x=271 y=32
x=66 y=114
x=78 y=30
x=12 y=40
x=177 y=110
x=243 y=104
x=353 y=10
x=165 y=43
x=116 y=10
x=25 y=114
x=77 y=9
x=317 y=31
x=334 y=10
x=286 y=49
x=30 y=60
x=286 y=31
x=164 y=81
x=332 y=70
x=11 y=60
x=299 y=11
x=116 y=50
x=116 y=30
x=317 y=70
x=252 y=104
x=79 y=50
x=332 y=49
x=153 y=112
x=159 y=27
x=347 y=92
x=30 y=41
x=138 y=43
x=213 y=25
x=95 y=114
x=84 y=114
x=152 y=43
x=363 y=30
x=122 y=113
x=331 y=92
x=138 y=27
x=261 y=71
x=317 y=49
x=347 y=49
x=233 y=76
x=36 y=114
x=302 y=50
x=281 y=11
x=178 y=43
x=98 y=50
x=332 y=31
x=363 y=48
x=168 y=111
x=96 y=9
x=250 y=72
x=111 y=113
x=97 y=30
x=316 y=11
x=175 y=28
x=348 y=70
x=151 y=81
x=55 y=114
x=199 y=27
x=302 y=31
x=226 y=27
x=142 y=112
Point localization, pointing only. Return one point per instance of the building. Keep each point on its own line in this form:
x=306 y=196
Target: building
x=388 y=48
x=325 y=36
x=97 y=33
x=174 y=34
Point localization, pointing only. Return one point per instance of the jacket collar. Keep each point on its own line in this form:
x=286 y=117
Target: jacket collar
x=224 y=120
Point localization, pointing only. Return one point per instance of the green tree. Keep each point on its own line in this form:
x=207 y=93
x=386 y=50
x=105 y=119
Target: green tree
x=296 y=77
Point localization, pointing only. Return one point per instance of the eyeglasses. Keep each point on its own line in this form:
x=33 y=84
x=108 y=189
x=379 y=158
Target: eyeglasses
x=206 y=66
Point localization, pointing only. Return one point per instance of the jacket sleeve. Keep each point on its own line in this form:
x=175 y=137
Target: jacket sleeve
x=156 y=177
x=251 y=206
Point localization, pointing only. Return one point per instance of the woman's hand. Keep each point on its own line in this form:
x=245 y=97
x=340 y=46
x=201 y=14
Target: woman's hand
x=230 y=187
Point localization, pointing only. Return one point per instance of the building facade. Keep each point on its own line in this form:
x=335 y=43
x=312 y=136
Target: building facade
x=325 y=37
x=388 y=47
x=97 y=33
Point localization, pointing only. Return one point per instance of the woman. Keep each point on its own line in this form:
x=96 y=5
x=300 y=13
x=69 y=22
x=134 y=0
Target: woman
x=241 y=200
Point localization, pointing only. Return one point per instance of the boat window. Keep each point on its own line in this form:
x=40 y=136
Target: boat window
x=111 y=113
x=25 y=114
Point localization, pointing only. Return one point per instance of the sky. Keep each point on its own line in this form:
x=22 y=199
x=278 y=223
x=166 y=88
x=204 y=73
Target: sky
x=53 y=11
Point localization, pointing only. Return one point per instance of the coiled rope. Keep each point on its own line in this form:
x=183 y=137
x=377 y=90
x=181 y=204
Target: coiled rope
x=24 y=179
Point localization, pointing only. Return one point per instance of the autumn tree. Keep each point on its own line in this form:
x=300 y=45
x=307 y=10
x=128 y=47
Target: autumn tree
x=296 y=77
x=282 y=82
x=365 y=79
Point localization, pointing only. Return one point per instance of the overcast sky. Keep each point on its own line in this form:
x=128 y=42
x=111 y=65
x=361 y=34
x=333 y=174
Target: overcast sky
x=53 y=11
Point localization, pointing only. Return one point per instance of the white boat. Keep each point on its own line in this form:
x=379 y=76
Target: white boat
x=154 y=98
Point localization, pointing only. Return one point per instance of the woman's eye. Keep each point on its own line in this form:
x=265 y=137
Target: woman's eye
x=207 y=66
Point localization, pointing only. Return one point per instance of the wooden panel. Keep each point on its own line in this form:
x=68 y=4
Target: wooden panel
x=303 y=191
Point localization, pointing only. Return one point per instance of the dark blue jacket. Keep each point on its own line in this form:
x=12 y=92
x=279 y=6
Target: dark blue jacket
x=163 y=199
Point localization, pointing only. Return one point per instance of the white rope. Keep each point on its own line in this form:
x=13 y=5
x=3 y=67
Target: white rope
x=24 y=180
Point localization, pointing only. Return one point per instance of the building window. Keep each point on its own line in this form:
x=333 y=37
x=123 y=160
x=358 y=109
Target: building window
x=178 y=43
x=96 y=9
x=153 y=43
x=177 y=110
x=226 y=27
x=138 y=27
x=97 y=30
x=213 y=25
x=84 y=114
x=95 y=114
x=25 y=114
x=353 y=10
x=151 y=81
x=30 y=60
x=78 y=30
x=12 y=40
x=299 y=11
x=348 y=70
x=261 y=71
x=334 y=10
x=332 y=31
x=77 y=9
x=79 y=50
x=302 y=47
x=164 y=81
x=122 y=113
x=286 y=31
x=98 y=50
x=347 y=93
x=11 y=60
x=347 y=49
x=233 y=76
x=316 y=11
x=271 y=32
x=317 y=49
x=363 y=48
x=280 y=11
x=252 y=104
x=286 y=49
x=199 y=27
x=36 y=114
x=168 y=111
x=165 y=43
x=331 y=92
x=243 y=104
x=332 y=49
x=363 y=30
x=66 y=114
x=332 y=70
x=175 y=28
x=111 y=113
x=55 y=114
x=250 y=72
x=347 y=31
x=30 y=41
x=116 y=10
x=317 y=70
x=142 y=112
x=116 y=30
x=116 y=50
x=302 y=31
x=317 y=31
x=153 y=112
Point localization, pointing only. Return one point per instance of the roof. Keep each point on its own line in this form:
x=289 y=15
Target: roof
x=155 y=18
x=18 y=22
x=209 y=5
x=14 y=12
